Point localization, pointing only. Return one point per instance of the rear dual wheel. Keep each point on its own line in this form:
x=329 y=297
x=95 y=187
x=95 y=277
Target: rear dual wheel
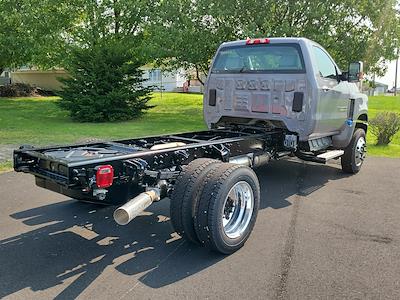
x=224 y=206
x=187 y=190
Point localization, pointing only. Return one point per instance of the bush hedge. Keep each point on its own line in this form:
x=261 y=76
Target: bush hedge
x=384 y=126
x=17 y=90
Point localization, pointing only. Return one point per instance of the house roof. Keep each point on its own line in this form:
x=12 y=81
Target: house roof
x=381 y=84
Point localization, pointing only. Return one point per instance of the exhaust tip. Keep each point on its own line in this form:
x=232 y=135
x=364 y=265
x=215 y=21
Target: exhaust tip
x=133 y=208
x=121 y=216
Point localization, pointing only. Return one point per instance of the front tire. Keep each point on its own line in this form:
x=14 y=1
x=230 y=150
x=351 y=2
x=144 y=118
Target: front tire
x=355 y=152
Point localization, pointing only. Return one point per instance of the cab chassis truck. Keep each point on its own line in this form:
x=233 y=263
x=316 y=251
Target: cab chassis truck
x=264 y=99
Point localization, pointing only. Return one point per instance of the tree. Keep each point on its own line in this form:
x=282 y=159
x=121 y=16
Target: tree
x=103 y=60
x=105 y=83
x=186 y=33
x=32 y=31
x=42 y=32
x=96 y=41
x=102 y=19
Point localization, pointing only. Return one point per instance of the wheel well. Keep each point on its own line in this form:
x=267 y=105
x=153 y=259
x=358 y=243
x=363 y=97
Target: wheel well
x=362 y=122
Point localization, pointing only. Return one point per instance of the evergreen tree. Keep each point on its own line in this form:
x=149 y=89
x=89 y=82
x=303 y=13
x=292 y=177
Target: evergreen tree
x=105 y=84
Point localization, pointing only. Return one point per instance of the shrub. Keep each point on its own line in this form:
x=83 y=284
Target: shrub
x=17 y=90
x=105 y=85
x=384 y=126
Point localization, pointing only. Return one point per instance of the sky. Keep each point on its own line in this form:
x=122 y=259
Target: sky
x=390 y=74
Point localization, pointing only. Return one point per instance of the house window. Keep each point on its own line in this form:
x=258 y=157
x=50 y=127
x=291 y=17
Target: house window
x=155 y=75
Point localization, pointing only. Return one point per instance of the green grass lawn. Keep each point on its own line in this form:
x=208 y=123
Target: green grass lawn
x=378 y=104
x=38 y=121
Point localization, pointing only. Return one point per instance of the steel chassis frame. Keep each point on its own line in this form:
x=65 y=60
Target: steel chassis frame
x=137 y=164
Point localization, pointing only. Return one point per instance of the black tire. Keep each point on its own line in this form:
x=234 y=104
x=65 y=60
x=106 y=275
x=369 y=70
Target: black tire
x=210 y=208
x=187 y=189
x=350 y=162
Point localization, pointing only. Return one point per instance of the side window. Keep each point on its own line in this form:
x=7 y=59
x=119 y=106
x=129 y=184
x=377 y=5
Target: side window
x=325 y=65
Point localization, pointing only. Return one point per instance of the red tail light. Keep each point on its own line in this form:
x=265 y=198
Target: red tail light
x=257 y=41
x=104 y=176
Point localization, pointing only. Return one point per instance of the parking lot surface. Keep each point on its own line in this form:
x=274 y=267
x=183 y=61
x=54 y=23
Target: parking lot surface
x=319 y=234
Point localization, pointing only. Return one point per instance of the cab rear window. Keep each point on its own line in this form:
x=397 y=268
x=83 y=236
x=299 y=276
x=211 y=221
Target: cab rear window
x=262 y=58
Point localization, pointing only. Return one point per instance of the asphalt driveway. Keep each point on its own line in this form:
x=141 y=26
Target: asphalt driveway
x=319 y=234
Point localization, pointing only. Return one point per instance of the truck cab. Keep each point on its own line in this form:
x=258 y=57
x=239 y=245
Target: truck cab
x=290 y=83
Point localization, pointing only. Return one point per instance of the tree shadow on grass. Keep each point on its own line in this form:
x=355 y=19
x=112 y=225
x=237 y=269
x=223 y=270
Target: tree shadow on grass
x=81 y=240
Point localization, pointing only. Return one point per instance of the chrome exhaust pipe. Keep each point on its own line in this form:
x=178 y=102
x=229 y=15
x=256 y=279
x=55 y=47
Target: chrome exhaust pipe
x=250 y=161
x=130 y=210
x=244 y=160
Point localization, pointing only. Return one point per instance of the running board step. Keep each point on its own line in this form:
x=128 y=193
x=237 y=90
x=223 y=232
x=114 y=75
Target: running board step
x=331 y=154
x=321 y=158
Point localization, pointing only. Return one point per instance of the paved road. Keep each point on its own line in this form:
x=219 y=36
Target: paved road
x=319 y=234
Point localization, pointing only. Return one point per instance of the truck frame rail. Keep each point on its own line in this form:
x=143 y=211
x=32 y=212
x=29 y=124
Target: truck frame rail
x=71 y=169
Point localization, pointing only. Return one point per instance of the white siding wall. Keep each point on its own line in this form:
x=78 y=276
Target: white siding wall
x=168 y=81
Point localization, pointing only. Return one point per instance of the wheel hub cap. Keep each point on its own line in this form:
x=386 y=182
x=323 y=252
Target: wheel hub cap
x=360 y=151
x=238 y=209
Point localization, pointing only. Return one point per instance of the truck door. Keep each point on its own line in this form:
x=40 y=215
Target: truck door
x=333 y=97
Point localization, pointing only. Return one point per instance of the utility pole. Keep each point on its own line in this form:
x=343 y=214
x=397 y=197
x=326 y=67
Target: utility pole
x=395 y=76
x=161 y=84
x=373 y=85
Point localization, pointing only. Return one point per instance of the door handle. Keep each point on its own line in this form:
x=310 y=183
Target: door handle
x=342 y=108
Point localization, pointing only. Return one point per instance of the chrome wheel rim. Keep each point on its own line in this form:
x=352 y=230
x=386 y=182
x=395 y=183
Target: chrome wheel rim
x=360 y=151
x=237 y=209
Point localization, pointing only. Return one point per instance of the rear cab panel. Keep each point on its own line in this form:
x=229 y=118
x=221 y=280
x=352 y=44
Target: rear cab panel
x=282 y=95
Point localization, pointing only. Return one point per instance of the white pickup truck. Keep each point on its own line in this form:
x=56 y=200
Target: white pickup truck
x=265 y=99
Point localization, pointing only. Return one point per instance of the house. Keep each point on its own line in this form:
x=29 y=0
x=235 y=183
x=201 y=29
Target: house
x=164 y=81
x=380 y=88
x=47 y=80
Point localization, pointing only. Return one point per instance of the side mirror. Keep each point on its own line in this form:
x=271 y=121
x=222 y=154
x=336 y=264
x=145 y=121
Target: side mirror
x=355 y=73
